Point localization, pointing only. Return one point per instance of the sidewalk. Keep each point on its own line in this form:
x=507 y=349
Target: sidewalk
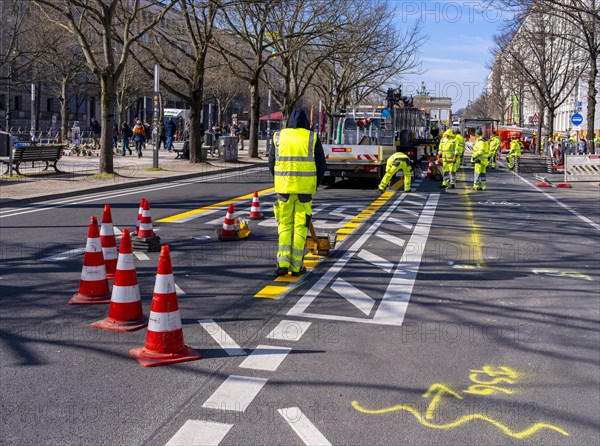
x=79 y=174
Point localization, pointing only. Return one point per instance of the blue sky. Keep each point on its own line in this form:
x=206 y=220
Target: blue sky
x=457 y=51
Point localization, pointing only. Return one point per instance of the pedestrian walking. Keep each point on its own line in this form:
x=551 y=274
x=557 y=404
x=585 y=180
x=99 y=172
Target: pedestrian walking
x=96 y=133
x=170 y=129
x=115 y=137
x=139 y=136
x=582 y=148
x=162 y=137
x=126 y=133
x=298 y=165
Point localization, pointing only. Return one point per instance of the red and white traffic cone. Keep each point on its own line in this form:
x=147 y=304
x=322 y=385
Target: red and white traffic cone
x=139 y=217
x=255 y=213
x=93 y=286
x=429 y=166
x=125 y=312
x=146 y=239
x=227 y=232
x=108 y=242
x=164 y=339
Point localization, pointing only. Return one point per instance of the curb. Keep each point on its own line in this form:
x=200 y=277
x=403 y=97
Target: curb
x=128 y=184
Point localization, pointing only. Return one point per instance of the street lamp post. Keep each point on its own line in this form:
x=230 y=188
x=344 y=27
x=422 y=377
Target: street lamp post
x=269 y=123
x=9 y=97
x=155 y=134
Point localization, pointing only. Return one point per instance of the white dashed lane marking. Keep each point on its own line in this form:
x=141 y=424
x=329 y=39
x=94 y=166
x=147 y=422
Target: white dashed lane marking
x=235 y=394
x=266 y=357
x=307 y=431
x=200 y=433
x=222 y=338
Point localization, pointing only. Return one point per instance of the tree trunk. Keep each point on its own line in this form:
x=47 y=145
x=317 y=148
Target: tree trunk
x=64 y=110
x=108 y=99
x=551 y=114
x=196 y=127
x=254 y=116
x=591 y=100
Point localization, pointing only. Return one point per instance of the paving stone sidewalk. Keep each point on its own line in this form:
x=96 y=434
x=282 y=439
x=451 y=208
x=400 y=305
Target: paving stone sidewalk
x=80 y=174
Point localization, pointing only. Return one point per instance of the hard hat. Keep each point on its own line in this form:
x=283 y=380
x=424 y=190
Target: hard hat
x=479 y=131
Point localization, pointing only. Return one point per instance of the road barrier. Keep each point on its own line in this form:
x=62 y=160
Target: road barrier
x=582 y=168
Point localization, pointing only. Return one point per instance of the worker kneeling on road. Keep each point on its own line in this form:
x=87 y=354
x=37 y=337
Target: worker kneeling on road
x=448 y=149
x=298 y=165
x=394 y=163
x=480 y=157
x=514 y=152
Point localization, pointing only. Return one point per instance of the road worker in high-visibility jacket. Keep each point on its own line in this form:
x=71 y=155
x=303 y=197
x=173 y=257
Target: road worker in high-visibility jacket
x=495 y=143
x=515 y=152
x=298 y=164
x=394 y=163
x=480 y=158
x=460 y=148
x=448 y=150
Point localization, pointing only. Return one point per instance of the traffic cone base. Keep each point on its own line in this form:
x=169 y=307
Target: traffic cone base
x=564 y=185
x=112 y=324
x=148 y=358
x=164 y=338
x=543 y=184
x=81 y=299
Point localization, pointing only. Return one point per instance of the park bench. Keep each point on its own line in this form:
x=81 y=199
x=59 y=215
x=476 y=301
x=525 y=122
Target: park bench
x=43 y=153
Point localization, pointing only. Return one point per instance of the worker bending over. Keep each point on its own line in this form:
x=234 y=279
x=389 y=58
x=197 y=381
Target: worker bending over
x=396 y=162
x=298 y=165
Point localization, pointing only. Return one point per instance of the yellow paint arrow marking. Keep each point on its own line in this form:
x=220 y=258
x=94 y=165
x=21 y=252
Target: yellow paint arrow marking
x=439 y=390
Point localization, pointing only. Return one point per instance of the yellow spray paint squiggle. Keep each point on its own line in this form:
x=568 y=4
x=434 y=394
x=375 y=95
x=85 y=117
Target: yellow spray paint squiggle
x=462 y=420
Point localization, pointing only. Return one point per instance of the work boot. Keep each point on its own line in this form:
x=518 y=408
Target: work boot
x=444 y=185
x=452 y=186
x=299 y=273
x=281 y=271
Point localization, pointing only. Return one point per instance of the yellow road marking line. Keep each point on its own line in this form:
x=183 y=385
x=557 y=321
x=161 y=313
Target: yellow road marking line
x=475 y=232
x=271 y=292
x=212 y=206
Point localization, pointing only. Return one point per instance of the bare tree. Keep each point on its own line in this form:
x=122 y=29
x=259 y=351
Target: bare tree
x=181 y=48
x=548 y=62
x=60 y=66
x=133 y=84
x=300 y=37
x=370 y=53
x=584 y=17
x=106 y=30
x=245 y=44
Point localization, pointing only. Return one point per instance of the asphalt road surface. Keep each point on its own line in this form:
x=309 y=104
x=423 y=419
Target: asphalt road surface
x=442 y=317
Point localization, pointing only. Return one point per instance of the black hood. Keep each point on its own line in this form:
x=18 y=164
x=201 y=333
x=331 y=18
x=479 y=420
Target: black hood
x=298 y=120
